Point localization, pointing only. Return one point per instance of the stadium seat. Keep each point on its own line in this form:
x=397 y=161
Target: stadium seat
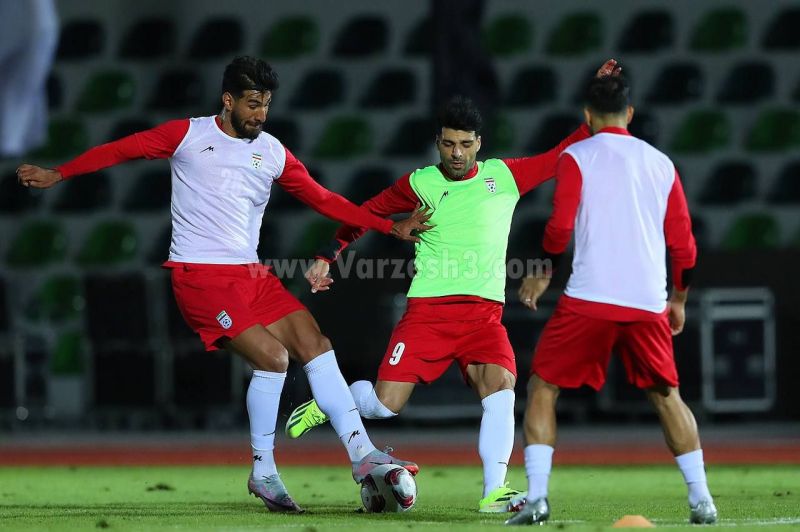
x=66 y=137
x=159 y=249
x=782 y=32
x=551 y=130
x=69 y=354
x=60 y=298
x=106 y=91
x=14 y=198
x=752 y=231
x=313 y=236
x=786 y=189
x=87 y=193
x=286 y=130
x=128 y=126
x=178 y=89
x=677 y=83
x=308 y=95
x=419 y=41
x=532 y=86
x=149 y=38
x=109 y=243
x=362 y=36
x=220 y=38
x=719 y=30
x=367 y=181
x=55 y=92
x=412 y=138
x=645 y=126
x=290 y=38
x=498 y=137
x=747 y=83
x=393 y=87
x=730 y=182
x=648 y=31
x=37 y=244
x=576 y=34
x=80 y=39
x=590 y=72
x=151 y=192
x=345 y=137
x=702 y=131
x=508 y=35
x=775 y=130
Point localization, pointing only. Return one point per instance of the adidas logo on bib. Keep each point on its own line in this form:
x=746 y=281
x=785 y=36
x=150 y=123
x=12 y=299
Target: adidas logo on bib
x=224 y=320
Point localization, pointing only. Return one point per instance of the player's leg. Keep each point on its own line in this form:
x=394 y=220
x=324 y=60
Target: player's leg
x=386 y=399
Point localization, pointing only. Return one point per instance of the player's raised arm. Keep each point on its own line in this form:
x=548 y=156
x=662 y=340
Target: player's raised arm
x=159 y=142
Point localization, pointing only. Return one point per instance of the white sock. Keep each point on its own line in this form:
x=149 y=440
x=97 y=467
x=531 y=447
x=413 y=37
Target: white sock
x=367 y=402
x=333 y=397
x=538 y=463
x=496 y=438
x=263 y=398
x=694 y=473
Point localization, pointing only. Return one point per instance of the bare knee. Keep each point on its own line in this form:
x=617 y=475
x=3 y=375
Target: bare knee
x=495 y=383
x=311 y=346
x=663 y=397
x=393 y=397
x=273 y=358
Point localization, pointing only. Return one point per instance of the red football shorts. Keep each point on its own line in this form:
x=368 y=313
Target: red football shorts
x=430 y=337
x=574 y=350
x=221 y=301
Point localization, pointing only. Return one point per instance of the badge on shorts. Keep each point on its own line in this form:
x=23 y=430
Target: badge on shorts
x=490 y=184
x=256 y=161
x=224 y=320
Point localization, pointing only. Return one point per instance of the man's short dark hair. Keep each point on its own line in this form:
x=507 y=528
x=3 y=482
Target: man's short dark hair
x=247 y=73
x=459 y=112
x=608 y=94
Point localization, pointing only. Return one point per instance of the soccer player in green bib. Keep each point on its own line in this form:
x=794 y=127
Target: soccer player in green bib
x=456 y=297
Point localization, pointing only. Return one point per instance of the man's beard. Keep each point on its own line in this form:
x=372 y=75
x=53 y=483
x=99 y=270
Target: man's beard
x=242 y=130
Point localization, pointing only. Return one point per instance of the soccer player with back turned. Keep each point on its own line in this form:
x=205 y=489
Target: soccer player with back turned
x=223 y=168
x=624 y=201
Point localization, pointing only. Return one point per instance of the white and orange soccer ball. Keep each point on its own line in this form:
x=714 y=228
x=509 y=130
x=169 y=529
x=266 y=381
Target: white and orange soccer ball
x=388 y=488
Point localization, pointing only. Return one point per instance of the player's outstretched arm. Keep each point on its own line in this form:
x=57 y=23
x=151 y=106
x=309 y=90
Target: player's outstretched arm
x=33 y=176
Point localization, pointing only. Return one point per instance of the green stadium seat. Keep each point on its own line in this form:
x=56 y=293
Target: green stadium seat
x=782 y=32
x=719 y=30
x=498 y=137
x=701 y=132
x=362 y=36
x=37 y=244
x=752 y=231
x=532 y=86
x=648 y=31
x=219 y=38
x=178 y=88
x=508 y=35
x=290 y=38
x=307 y=95
x=66 y=137
x=419 y=42
x=747 y=83
x=109 y=243
x=576 y=34
x=149 y=38
x=150 y=193
x=314 y=235
x=84 y=194
x=80 y=39
x=677 y=83
x=345 y=137
x=107 y=91
x=390 y=88
x=551 y=130
x=413 y=137
x=69 y=355
x=786 y=190
x=730 y=183
x=14 y=198
x=60 y=298
x=775 y=130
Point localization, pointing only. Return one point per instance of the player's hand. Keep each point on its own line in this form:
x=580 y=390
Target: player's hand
x=318 y=278
x=405 y=229
x=609 y=68
x=33 y=176
x=532 y=289
x=677 y=316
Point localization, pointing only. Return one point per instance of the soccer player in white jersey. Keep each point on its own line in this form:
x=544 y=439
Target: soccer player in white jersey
x=624 y=201
x=223 y=168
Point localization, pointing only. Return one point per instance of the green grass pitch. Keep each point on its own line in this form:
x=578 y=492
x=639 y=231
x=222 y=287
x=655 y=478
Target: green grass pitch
x=215 y=498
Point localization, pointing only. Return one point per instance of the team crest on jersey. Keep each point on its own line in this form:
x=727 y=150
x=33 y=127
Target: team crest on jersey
x=256 y=161
x=491 y=185
x=224 y=320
